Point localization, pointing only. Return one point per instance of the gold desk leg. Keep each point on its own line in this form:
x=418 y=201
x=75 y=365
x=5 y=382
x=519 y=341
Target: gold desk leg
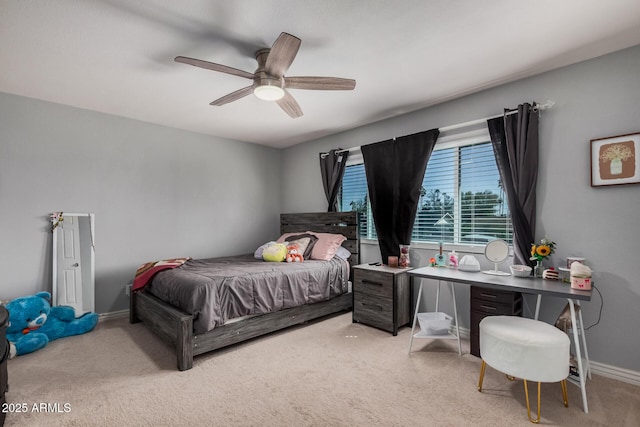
x=482 y=368
x=526 y=394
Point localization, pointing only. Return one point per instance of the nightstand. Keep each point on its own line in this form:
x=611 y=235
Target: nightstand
x=381 y=297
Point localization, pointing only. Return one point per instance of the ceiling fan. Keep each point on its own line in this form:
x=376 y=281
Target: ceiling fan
x=269 y=81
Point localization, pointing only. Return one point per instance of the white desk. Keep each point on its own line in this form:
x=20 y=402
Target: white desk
x=526 y=285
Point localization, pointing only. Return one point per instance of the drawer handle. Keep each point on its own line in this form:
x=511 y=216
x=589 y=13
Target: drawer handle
x=486 y=307
x=376 y=306
x=369 y=282
x=489 y=296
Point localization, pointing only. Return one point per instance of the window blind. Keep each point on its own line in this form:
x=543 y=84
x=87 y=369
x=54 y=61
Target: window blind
x=461 y=200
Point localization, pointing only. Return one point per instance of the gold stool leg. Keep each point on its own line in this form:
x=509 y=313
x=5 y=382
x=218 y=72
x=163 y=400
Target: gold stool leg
x=526 y=394
x=482 y=368
x=565 y=399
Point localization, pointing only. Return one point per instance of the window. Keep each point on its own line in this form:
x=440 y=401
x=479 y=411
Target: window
x=462 y=200
x=354 y=196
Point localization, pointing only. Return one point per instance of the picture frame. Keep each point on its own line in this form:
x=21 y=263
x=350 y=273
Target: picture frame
x=615 y=160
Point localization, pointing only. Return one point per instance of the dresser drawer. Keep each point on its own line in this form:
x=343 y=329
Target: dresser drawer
x=373 y=283
x=374 y=311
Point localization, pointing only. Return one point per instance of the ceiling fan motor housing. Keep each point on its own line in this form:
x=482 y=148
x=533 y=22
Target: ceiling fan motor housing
x=266 y=86
x=264 y=79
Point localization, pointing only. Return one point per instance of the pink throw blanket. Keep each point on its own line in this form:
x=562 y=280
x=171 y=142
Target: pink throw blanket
x=146 y=271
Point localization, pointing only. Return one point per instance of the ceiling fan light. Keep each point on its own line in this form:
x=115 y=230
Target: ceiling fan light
x=268 y=92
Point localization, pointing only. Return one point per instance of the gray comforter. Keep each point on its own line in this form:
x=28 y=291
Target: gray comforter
x=215 y=290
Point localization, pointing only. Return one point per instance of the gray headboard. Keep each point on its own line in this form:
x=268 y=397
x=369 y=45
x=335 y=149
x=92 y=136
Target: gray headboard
x=345 y=223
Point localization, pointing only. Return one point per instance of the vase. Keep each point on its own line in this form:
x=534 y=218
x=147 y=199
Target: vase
x=615 y=167
x=538 y=269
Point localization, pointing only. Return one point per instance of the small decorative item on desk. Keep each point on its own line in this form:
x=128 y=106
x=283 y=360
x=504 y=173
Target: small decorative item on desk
x=564 y=275
x=440 y=258
x=453 y=259
x=572 y=259
x=392 y=261
x=404 y=260
x=469 y=263
x=518 y=270
x=541 y=252
x=550 y=274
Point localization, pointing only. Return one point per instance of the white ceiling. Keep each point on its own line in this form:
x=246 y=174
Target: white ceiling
x=116 y=56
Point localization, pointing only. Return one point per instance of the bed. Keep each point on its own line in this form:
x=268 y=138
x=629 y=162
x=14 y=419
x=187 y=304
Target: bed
x=176 y=325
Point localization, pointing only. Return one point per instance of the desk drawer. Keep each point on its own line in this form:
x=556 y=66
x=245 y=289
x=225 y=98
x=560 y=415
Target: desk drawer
x=490 y=302
x=496 y=309
x=495 y=296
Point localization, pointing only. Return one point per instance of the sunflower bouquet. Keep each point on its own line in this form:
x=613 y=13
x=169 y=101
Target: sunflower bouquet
x=542 y=250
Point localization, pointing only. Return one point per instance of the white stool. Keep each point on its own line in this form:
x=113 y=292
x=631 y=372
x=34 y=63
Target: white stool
x=525 y=348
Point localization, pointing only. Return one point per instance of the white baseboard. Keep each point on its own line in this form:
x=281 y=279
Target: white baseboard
x=464 y=332
x=113 y=315
x=613 y=372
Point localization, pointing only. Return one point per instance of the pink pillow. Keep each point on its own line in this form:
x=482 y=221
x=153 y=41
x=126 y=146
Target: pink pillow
x=326 y=246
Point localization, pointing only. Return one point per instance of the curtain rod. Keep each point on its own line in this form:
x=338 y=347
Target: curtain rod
x=539 y=107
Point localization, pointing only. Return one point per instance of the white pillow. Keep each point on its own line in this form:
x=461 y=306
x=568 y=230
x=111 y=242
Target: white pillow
x=343 y=253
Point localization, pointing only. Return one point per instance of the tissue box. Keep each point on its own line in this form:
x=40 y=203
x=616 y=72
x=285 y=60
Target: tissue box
x=582 y=283
x=580 y=276
x=434 y=323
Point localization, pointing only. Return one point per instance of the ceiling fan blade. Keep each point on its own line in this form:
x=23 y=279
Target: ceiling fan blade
x=319 y=83
x=213 y=66
x=233 y=96
x=282 y=53
x=289 y=105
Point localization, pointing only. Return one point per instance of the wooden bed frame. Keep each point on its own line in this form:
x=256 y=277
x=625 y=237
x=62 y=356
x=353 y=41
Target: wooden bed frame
x=176 y=327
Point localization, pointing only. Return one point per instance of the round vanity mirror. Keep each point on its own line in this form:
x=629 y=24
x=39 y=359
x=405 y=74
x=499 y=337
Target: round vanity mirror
x=496 y=251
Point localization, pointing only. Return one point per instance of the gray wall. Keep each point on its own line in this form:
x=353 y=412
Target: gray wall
x=156 y=192
x=596 y=98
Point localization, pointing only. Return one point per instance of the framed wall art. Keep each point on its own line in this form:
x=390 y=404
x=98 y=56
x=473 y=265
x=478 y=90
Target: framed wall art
x=615 y=160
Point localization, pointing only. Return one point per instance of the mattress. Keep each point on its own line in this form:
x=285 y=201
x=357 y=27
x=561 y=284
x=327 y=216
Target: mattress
x=216 y=290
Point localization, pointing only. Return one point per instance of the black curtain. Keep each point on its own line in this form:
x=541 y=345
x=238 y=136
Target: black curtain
x=515 y=144
x=394 y=171
x=332 y=166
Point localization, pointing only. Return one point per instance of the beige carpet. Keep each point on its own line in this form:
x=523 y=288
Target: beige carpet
x=327 y=373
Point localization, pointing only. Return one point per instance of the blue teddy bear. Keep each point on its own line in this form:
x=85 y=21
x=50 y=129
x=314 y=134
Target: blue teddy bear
x=33 y=323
